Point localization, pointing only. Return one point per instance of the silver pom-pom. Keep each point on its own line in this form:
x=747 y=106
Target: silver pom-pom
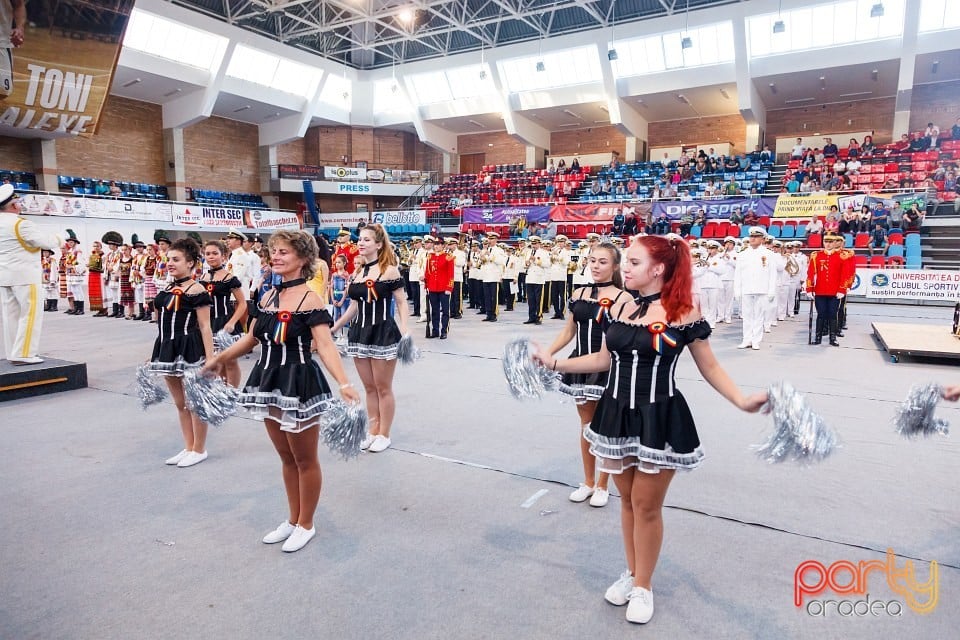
x=223 y=340
x=149 y=390
x=915 y=416
x=799 y=433
x=525 y=377
x=407 y=352
x=343 y=427
x=209 y=397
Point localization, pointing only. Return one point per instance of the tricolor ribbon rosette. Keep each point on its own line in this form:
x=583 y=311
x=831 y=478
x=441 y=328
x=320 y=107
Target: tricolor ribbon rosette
x=280 y=331
x=371 y=291
x=174 y=303
x=660 y=336
x=605 y=304
x=210 y=288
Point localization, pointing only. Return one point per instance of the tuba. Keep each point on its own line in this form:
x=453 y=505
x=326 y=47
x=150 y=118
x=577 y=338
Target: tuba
x=792 y=267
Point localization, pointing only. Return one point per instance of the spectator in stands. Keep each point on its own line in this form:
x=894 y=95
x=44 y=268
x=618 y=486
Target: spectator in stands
x=562 y=166
x=618 y=222
x=880 y=215
x=853 y=165
x=913 y=218
x=630 y=221
x=814 y=226
x=766 y=155
x=919 y=143
x=101 y=188
x=831 y=182
x=575 y=165
x=955 y=130
x=932 y=198
x=665 y=161
x=750 y=218
x=700 y=218
x=667 y=192
x=867 y=148
x=662 y=225
x=731 y=163
x=686 y=221
x=891 y=184
x=620 y=190
x=818 y=157
x=903 y=144
x=839 y=167
x=932 y=135
x=632 y=187
x=895 y=216
x=454 y=202
x=732 y=188
x=907 y=183
x=807 y=185
x=878 y=239
x=605 y=187
x=853 y=149
x=710 y=189
x=701 y=165
x=792 y=186
x=797 y=152
x=845 y=184
x=551 y=168
x=684 y=159
x=686 y=196
x=831 y=226
x=595 y=186
x=864 y=220
x=549 y=190
x=735 y=216
x=675 y=178
x=950 y=180
x=465 y=200
x=756 y=154
x=115 y=191
x=849 y=221
x=687 y=172
x=829 y=149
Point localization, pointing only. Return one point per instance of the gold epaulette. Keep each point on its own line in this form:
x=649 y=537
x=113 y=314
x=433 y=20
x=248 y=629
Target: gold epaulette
x=846 y=254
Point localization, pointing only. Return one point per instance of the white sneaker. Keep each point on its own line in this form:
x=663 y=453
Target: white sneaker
x=599 y=498
x=191 y=458
x=279 y=534
x=755 y=346
x=177 y=458
x=27 y=360
x=380 y=443
x=619 y=591
x=640 y=609
x=743 y=345
x=581 y=493
x=298 y=539
x=366 y=442
x=767 y=330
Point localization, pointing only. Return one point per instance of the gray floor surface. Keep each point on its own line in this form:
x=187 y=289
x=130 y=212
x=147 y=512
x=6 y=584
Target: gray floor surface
x=430 y=539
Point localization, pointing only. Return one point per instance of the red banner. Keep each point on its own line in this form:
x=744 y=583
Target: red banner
x=597 y=212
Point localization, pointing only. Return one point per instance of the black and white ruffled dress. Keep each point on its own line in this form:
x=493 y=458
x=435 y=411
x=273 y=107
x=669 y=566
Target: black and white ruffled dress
x=590 y=315
x=642 y=420
x=373 y=332
x=179 y=344
x=286 y=378
x=221 y=301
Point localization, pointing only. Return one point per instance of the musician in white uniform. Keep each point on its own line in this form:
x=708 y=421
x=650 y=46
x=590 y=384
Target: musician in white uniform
x=581 y=275
x=492 y=261
x=755 y=286
x=21 y=276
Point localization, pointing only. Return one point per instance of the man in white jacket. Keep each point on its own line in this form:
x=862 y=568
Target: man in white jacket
x=20 y=279
x=755 y=285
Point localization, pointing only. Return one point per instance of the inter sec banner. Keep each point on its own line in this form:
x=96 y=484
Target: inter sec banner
x=189 y=215
x=674 y=209
x=503 y=215
x=63 y=54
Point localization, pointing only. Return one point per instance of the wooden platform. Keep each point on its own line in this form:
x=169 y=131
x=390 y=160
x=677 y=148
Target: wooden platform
x=50 y=376
x=921 y=340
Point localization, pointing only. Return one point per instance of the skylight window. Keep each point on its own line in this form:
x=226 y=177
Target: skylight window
x=558 y=69
x=268 y=70
x=458 y=83
x=173 y=41
x=711 y=44
x=388 y=98
x=934 y=15
x=825 y=25
x=336 y=91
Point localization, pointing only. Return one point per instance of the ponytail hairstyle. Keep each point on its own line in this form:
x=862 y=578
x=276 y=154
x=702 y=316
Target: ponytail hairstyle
x=614 y=252
x=674 y=254
x=385 y=256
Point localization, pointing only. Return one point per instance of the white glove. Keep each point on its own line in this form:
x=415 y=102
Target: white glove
x=840 y=296
x=810 y=295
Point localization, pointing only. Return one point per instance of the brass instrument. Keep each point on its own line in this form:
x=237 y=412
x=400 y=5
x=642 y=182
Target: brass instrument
x=792 y=267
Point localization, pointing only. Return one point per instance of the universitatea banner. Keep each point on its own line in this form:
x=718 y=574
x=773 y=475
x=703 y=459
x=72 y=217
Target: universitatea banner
x=64 y=58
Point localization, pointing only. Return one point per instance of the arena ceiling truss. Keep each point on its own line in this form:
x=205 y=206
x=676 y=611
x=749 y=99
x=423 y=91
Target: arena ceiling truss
x=371 y=34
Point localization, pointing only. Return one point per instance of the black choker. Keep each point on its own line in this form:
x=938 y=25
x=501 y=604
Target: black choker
x=214 y=270
x=595 y=289
x=180 y=281
x=367 y=265
x=643 y=303
x=600 y=285
x=288 y=284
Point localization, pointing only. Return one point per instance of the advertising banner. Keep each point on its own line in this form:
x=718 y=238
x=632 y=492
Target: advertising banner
x=597 y=212
x=63 y=54
x=674 y=209
x=265 y=219
x=410 y=216
x=300 y=171
x=77 y=206
x=188 y=215
x=347 y=219
x=503 y=215
x=909 y=284
x=814 y=204
x=344 y=173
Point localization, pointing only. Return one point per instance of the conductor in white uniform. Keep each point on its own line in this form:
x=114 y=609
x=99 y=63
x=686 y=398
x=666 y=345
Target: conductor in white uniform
x=755 y=285
x=20 y=279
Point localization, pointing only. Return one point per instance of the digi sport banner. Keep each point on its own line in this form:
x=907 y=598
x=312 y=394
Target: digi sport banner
x=63 y=60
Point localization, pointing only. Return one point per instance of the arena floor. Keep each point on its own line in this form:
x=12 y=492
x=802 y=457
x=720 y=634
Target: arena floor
x=439 y=536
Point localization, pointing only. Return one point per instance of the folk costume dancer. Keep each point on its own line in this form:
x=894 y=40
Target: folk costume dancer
x=76 y=274
x=48 y=266
x=137 y=275
x=112 y=240
x=95 y=279
x=21 y=276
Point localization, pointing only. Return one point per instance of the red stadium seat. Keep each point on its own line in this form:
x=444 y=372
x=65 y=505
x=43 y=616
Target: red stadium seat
x=861 y=240
x=895 y=238
x=877 y=262
x=895 y=261
x=709 y=230
x=815 y=241
x=860 y=261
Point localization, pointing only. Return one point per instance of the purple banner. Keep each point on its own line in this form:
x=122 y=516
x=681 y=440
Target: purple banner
x=504 y=215
x=714 y=208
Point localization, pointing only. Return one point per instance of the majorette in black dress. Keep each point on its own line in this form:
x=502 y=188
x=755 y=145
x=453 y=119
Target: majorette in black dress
x=179 y=343
x=590 y=315
x=373 y=333
x=221 y=300
x=286 y=377
x=642 y=420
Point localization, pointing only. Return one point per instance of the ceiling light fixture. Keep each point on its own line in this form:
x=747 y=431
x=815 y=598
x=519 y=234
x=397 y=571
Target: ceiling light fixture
x=686 y=42
x=682 y=98
x=875 y=74
x=876 y=11
x=823 y=83
x=935 y=66
x=779 y=26
x=132 y=82
x=773 y=88
x=612 y=55
x=541 y=66
x=724 y=93
x=478 y=124
x=798 y=100
x=572 y=114
x=406 y=16
x=243 y=108
x=172 y=93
